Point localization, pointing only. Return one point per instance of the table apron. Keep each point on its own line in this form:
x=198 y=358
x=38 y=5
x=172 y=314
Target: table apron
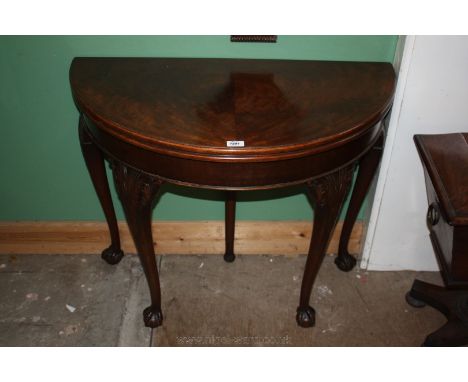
x=234 y=175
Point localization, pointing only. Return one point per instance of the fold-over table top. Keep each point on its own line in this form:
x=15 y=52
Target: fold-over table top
x=271 y=108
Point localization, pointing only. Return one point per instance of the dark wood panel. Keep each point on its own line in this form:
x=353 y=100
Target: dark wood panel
x=445 y=156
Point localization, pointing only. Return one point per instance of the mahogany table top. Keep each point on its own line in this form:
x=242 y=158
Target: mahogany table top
x=193 y=107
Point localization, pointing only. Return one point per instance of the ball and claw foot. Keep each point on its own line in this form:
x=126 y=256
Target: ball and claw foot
x=345 y=262
x=112 y=256
x=229 y=257
x=152 y=317
x=414 y=302
x=305 y=317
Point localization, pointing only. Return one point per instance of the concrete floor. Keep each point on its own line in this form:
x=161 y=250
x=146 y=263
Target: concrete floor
x=64 y=300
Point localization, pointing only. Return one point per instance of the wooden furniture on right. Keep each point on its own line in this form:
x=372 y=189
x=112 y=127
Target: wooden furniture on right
x=445 y=162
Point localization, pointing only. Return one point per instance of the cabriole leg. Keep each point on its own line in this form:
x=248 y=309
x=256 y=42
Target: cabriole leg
x=328 y=194
x=95 y=164
x=367 y=168
x=137 y=192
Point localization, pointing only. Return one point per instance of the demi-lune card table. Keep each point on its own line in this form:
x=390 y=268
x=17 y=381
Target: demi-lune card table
x=232 y=125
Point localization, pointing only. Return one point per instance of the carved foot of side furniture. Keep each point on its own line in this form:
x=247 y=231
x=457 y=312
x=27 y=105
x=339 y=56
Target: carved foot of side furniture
x=414 y=302
x=305 y=317
x=112 y=256
x=453 y=303
x=152 y=317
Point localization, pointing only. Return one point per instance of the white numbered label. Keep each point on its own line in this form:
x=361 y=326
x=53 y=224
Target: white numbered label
x=235 y=143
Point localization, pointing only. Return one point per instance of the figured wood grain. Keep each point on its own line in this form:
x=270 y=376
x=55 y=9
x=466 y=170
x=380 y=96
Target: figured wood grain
x=191 y=107
x=171 y=237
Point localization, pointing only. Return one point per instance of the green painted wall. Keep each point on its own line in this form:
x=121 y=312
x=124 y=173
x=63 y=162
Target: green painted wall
x=42 y=174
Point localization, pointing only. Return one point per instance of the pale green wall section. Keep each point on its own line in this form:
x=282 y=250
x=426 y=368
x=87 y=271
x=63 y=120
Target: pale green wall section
x=42 y=174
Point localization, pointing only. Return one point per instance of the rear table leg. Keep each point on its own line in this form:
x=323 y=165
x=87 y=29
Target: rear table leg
x=95 y=164
x=367 y=168
x=230 y=222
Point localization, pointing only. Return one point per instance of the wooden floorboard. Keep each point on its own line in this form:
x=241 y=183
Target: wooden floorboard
x=170 y=237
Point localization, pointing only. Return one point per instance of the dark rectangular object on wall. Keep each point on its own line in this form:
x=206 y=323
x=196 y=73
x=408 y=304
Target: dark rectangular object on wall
x=254 y=38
